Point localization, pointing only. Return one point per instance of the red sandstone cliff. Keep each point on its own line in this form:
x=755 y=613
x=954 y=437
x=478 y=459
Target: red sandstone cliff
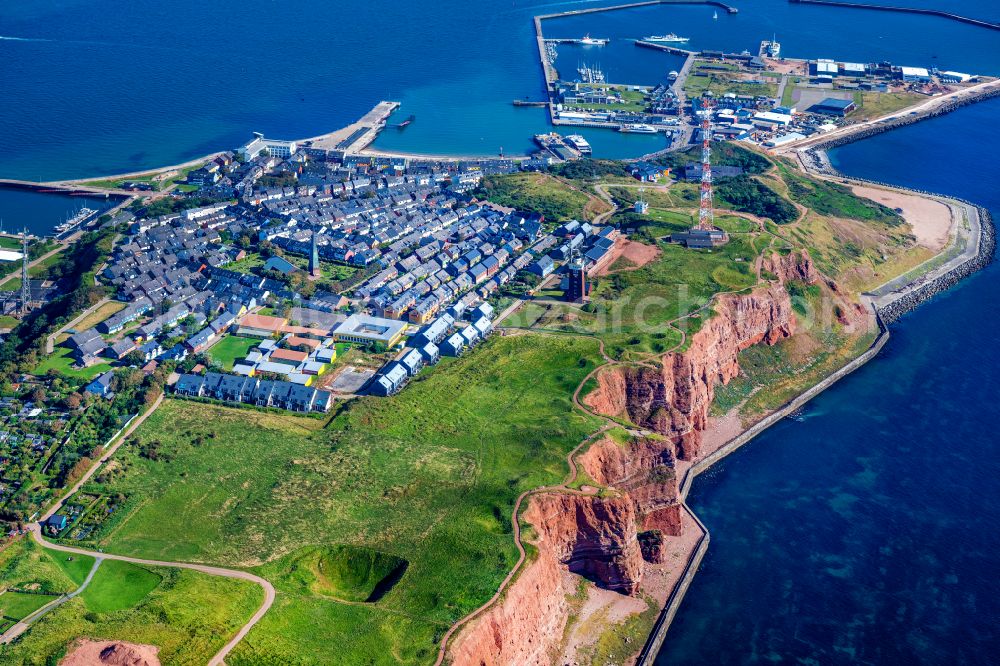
x=644 y=467
x=606 y=539
x=523 y=627
x=593 y=536
x=673 y=399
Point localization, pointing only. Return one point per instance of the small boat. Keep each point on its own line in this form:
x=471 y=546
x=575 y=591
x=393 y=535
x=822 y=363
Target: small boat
x=715 y=15
x=637 y=128
x=593 y=41
x=669 y=38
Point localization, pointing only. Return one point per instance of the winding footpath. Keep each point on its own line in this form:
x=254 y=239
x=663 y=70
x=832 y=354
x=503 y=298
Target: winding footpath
x=36 y=534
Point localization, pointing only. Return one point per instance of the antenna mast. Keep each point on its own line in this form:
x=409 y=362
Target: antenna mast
x=25 y=287
x=706 y=215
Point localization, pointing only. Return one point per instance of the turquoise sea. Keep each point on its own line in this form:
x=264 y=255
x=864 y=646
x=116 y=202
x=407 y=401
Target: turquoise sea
x=866 y=532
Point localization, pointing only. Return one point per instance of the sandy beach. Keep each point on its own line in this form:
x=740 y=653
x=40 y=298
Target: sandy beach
x=930 y=219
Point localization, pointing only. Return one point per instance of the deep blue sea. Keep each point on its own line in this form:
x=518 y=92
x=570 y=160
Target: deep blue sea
x=868 y=532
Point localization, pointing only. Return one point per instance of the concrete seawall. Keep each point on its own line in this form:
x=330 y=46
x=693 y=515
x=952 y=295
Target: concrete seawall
x=896 y=304
x=902 y=121
x=905 y=10
x=663 y=621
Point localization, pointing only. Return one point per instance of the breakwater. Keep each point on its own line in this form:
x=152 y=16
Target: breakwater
x=906 y=10
x=911 y=299
x=901 y=121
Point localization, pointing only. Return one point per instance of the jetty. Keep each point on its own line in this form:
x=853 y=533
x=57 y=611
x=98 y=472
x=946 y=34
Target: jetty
x=906 y=10
x=666 y=48
x=357 y=135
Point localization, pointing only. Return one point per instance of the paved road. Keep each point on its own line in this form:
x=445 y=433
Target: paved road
x=922 y=108
x=32 y=264
x=50 y=342
x=26 y=622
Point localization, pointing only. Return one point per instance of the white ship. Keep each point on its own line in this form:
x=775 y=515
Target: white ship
x=772 y=48
x=637 y=128
x=593 y=41
x=669 y=39
x=80 y=216
x=579 y=143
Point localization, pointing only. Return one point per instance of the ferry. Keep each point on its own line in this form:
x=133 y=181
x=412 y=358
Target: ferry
x=772 y=48
x=593 y=41
x=637 y=128
x=579 y=143
x=670 y=39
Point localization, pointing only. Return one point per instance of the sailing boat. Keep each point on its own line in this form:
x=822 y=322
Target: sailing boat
x=715 y=15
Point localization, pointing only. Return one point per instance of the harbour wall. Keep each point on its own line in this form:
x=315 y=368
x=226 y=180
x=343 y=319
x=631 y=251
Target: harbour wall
x=906 y=10
x=884 y=314
x=902 y=121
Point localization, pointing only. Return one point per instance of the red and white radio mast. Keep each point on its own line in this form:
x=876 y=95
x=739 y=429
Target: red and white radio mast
x=706 y=215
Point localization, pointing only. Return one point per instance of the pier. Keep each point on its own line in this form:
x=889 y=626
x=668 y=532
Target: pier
x=673 y=50
x=358 y=134
x=906 y=10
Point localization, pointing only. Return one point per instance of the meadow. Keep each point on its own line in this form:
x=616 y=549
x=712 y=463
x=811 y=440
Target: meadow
x=188 y=615
x=378 y=528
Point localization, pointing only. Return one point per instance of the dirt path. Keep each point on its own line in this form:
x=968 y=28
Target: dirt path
x=22 y=626
x=36 y=533
x=217 y=660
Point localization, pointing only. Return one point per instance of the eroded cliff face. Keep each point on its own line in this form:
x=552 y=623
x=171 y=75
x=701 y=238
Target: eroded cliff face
x=673 y=399
x=606 y=539
x=645 y=469
x=524 y=627
x=592 y=536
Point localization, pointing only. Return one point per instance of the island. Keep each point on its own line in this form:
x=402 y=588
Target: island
x=305 y=401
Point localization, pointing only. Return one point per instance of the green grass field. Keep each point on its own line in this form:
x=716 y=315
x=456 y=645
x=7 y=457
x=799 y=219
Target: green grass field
x=631 y=310
x=18 y=605
x=188 y=615
x=100 y=314
x=26 y=565
x=118 y=585
x=541 y=193
x=62 y=360
x=428 y=476
x=232 y=348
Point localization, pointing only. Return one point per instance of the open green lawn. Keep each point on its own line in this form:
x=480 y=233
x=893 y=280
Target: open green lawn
x=630 y=310
x=6 y=321
x=188 y=615
x=875 y=104
x=543 y=194
x=26 y=565
x=62 y=360
x=420 y=486
x=118 y=585
x=19 y=605
x=232 y=348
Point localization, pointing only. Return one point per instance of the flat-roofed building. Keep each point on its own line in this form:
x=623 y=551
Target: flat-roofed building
x=365 y=329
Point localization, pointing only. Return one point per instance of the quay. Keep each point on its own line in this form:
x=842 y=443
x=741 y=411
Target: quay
x=906 y=10
x=673 y=50
x=359 y=134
